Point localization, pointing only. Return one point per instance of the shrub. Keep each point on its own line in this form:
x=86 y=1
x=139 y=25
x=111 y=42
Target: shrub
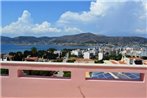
x=99 y=61
x=71 y=61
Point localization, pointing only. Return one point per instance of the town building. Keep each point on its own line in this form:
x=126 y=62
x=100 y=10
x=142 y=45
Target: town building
x=87 y=55
x=76 y=52
x=100 y=56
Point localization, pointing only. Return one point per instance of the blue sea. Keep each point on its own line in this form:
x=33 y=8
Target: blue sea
x=6 y=48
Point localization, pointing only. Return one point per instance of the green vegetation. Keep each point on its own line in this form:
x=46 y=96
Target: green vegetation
x=67 y=74
x=99 y=61
x=65 y=51
x=4 y=72
x=51 y=50
x=41 y=53
x=20 y=56
x=50 y=56
x=71 y=60
x=39 y=72
x=112 y=57
x=34 y=51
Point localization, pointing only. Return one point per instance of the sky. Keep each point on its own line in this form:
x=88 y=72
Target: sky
x=58 y=18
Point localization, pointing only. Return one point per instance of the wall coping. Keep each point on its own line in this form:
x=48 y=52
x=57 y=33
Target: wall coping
x=73 y=64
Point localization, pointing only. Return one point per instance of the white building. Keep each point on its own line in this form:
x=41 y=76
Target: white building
x=143 y=53
x=87 y=55
x=57 y=52
x=100 y=56
x=76 y=52
x=5 y=59
x=94 y=51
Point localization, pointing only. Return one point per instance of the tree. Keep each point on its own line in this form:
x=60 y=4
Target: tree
x=118 y=57
x=65 y=51
x=18 y=56
x=27 y=53
x=41 y=53
x=51 y=56
x=34 y=51
x=71 y=61
x=113 y=57
x=12 y=53
x=51 y=50
x=99 y=61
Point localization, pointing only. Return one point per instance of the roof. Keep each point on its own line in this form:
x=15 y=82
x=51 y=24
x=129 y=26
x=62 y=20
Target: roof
x=31 y=59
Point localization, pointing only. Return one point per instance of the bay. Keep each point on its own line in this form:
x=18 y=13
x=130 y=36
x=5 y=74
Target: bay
x=6 y=48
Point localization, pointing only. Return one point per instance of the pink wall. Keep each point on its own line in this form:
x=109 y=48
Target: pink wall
x=76 y=87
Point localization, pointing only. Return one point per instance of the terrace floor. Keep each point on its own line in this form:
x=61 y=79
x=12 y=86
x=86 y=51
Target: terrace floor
x=39 y=88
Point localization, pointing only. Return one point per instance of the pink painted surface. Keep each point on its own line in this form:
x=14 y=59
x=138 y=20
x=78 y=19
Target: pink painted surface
x=77 y=87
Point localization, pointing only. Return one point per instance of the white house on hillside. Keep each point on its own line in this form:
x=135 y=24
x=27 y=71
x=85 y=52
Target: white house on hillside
x=100 y=56
x=76 y=52
x=87 y=55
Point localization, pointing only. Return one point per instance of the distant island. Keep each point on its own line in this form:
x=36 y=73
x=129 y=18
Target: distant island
x=78 y=39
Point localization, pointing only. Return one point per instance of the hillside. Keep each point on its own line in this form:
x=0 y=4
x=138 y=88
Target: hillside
x=79 y=39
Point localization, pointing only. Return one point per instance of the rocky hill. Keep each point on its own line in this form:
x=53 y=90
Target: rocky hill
x=78 y=39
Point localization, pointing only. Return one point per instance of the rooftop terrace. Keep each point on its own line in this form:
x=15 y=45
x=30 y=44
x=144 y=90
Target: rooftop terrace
x=17 y=84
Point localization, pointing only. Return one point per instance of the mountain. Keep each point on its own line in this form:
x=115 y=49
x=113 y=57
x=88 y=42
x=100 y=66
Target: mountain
x=78 y=39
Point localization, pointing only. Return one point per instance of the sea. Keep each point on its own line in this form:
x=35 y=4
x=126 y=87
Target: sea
x=6 y=48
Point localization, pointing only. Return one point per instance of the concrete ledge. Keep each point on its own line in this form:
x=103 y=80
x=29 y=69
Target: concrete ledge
x=71 y=64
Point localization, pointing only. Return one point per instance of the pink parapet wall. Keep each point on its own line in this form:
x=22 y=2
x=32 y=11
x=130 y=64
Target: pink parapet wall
x=16 y=86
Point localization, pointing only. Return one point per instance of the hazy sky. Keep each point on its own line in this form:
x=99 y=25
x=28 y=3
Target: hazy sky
x=57 y=18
